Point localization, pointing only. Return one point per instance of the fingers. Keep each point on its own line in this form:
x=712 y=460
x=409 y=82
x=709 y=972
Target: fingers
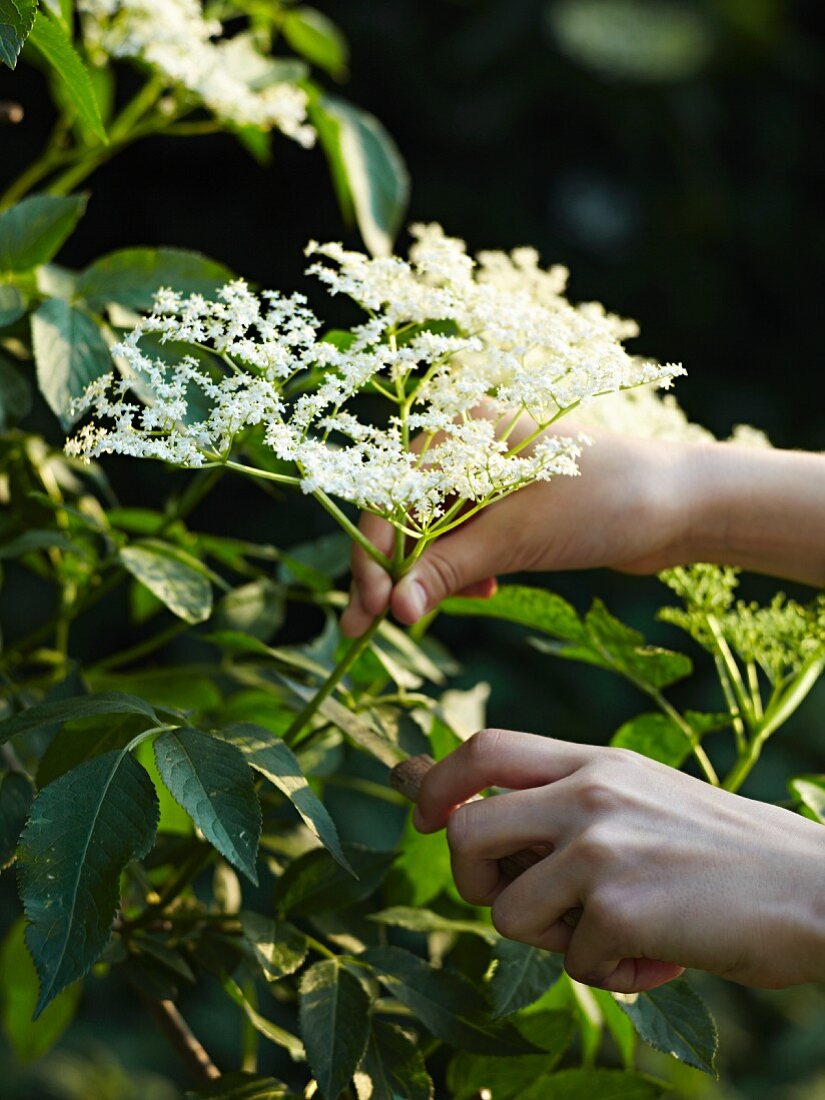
x=501 y=758
x=371 y=584
x=530 y=909
x=463 y=561
x=485 y=830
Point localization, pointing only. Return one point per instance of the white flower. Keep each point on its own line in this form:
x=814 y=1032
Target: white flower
x=230 y=76
x=443 y=336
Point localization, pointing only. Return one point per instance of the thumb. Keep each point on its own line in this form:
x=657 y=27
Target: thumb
x=458 y=563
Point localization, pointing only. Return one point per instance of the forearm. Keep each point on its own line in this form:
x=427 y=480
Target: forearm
x=763 y=510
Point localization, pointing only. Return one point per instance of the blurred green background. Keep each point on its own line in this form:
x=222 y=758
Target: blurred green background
x=668 y=151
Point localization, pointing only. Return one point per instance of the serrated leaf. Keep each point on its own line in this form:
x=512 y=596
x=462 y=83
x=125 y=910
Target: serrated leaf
x=184 y=590
x=76 y=706
x=335 y=1020
x=279 y=948
x=624 y=648
x=83 y=830
x=33 y=230
x=469 y=1074
x=532 y=607
x=445 y=1002
x=278 y=1035
x=275 y=760
x=585 y=1084
x=53 y=44
x=16 y=794
x=69 y=353
x=370 y=176
x=521 y=975
x=674 y=1019
x=424 y=920
x=313 y=35
x=242 y=1086
x=393 y=1067
x=16 y=21
x=355 y=726
x=18 y=997
x=132 y=276
x=656 y=736
x=213 y=783
x=315 y=883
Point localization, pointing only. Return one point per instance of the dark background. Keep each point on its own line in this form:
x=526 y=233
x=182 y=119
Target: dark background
x=686 y=194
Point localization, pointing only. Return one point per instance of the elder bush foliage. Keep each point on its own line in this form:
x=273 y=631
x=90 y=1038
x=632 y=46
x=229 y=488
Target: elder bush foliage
x=168 y=820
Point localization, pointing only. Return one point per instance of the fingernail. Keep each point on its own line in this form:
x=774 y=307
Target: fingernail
x=417 y=597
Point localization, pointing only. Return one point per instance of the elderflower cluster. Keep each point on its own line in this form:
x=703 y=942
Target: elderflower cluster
x=229 y=76
x=455 y=350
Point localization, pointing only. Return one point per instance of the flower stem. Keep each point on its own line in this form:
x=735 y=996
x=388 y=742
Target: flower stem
x=343 y=520
x=356 y=648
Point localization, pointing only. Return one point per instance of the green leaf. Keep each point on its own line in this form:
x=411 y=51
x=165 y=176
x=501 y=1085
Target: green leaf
x=445 y=1002
x=371 y=178
x=355 y=726
x=532 y=607
x=278 y=1035
x=521 y=975
x=274 y=759
x=12 y=304
x=470 y=1074
x=424 y=920
x=585 y=1084
x=16 y=794
x=213 y=783
x=393 y=1067
x=810 y=790
x=656 y=736
x=335 y=1020
x=624 y=649
x=132 y=276
x=16 y=21
x=35 y=539
x=33 y=230
x=256 y=608
x=83 y=830
x=69 y=353
x=77 y=706
x=15 y=394
x=315 y=883
x=242 y=1086
x=53 y=44
x=18 y=997
x=674 y=1019
x=184 y=590
x=278 y=947
x=311 y=34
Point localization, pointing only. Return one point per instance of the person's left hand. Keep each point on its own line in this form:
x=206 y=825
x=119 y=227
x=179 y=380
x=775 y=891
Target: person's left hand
x=669 y=871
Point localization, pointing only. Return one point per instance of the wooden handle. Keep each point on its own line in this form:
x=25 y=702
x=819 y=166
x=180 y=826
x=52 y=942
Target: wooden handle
x=406 y=778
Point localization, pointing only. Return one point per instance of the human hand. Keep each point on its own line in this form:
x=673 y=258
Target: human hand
x=626 y=511
x=669 y=871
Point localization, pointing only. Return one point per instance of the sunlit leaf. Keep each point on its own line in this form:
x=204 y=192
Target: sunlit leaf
x=656 y=736
x=587 y=1084
x=132 y=276
x=184 y=590
x=674 y=1019
x=16 y=21
x=315 y=882
x=393 y=1066
x=69 y=353
x=278 y=946
x=313 y=35
x=32 y=231
x=53 y=44
x=520 y=975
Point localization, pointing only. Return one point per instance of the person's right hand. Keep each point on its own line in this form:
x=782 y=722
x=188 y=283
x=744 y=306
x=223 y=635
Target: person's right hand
x=627 y=510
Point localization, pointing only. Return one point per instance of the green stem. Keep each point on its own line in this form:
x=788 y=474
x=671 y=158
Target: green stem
x=267 y=475
x=343 y=520
x=736 y=680
x=673 y=714
x=733 y=707
x=354 y=651
x=174 y=887
x=127 y=656
x=775 y=716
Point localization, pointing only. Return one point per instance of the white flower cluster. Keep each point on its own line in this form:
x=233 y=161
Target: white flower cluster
x=445 y=337
x=230 y=77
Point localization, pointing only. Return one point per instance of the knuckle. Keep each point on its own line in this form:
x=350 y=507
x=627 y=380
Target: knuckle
x=595 y=847
x=611 y=916
x=484 y=744
x=444 y=572
x=461 y=828
x=596 y=792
